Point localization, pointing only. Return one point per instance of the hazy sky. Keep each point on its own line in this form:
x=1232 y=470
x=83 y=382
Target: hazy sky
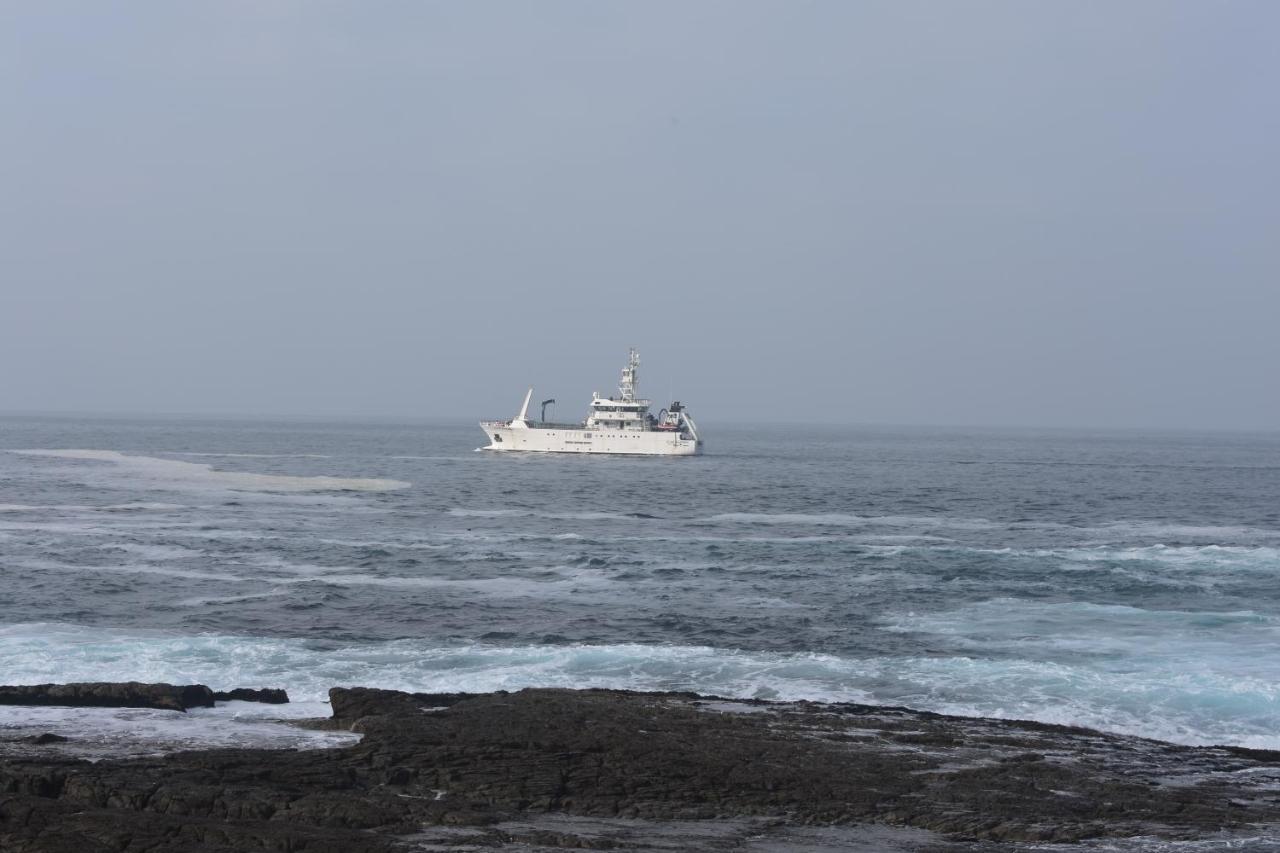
x=1039 y=213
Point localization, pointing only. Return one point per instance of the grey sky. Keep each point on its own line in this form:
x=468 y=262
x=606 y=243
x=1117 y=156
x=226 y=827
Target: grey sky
x=1047 y=213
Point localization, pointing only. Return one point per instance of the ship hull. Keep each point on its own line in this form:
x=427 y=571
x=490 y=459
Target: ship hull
x=503 y=437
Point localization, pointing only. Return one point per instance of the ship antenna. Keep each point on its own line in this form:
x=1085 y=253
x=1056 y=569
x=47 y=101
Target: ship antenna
x=627 y=388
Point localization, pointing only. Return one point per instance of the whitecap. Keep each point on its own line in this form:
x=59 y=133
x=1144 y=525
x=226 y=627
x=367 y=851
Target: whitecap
x=144 y=569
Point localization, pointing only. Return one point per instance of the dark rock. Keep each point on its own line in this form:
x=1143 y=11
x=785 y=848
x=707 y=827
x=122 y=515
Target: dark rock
x=47 y=737
x=598 y=769
x=130 y=694
x=351 y=703
x=268 y=695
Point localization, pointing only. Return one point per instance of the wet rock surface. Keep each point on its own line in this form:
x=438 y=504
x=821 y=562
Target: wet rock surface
x=268 y=695
x=130 y=694
x=560 y=769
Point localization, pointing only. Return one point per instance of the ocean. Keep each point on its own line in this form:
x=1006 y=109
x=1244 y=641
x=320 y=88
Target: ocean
x=1125 y=581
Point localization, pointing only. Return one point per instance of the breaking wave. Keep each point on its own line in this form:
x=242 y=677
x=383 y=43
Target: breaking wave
x=1202 y=706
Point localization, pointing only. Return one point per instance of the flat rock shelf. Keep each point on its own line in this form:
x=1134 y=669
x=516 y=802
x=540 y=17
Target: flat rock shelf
x=547 y=770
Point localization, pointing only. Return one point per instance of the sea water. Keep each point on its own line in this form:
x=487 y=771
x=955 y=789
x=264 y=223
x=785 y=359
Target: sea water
x=1125 y=581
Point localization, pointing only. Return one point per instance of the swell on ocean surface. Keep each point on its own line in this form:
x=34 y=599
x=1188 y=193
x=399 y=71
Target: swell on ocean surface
x=1126 y=582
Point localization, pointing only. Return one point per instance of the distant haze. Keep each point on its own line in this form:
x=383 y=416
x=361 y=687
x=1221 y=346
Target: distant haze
x=1051 y=213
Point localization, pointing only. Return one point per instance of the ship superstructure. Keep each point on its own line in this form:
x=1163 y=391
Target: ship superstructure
x=619 y=425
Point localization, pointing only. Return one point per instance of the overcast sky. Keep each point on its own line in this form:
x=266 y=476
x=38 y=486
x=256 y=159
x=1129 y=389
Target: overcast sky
x=1048 y=213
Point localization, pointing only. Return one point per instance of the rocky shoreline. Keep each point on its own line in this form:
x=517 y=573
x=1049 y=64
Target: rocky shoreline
x=133 y=694
x=548 y=770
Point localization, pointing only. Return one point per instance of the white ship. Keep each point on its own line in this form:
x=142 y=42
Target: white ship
x=619 y=424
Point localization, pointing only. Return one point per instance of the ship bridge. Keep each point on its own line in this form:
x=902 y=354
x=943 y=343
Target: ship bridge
x=612 y=413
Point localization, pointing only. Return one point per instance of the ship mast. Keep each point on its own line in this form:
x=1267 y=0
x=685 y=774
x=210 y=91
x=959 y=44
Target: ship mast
x=627 y=388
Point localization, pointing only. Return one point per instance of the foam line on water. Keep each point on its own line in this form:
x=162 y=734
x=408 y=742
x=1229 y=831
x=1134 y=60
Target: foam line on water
x=1211 y=559
x=529 y=513
x=176 y=474
x=133 y=569
x=154 y=553
x=138 y=506
x=505 y=586
x=1190 y=556
x=1159 y=528
x=204 y=601
x=836 y=519
x=97 y=528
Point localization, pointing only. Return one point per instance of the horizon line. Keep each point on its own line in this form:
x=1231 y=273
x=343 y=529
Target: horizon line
x=734 y=423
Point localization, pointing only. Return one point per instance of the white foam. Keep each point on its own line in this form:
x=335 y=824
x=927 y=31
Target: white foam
x=1024 y=623
x=1167 y=529
x=305 y=570
x=97 y=528
x=228 y=599
x=138 y=506
x=572 y=579
x=390 y=542
x=1195 y=706
x=1189 y=676
x=837 y=519
x=131 y=569
x=1194 y=558
x=117 y=732
x=529 y=513
x=516 y=587
x=1199 y=556
x=175 y=474
x=503 y=586
x=154 y=553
